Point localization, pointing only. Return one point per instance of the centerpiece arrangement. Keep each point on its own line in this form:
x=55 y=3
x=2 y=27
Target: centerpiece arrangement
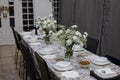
x=48 y=25
x=67 y=37
x=70 y=37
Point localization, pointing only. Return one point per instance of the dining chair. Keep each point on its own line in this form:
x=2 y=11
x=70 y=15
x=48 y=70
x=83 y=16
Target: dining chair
x=92 y=44
x=43 y=68
x=113 y=59
x=17 y=50
x=28 y=62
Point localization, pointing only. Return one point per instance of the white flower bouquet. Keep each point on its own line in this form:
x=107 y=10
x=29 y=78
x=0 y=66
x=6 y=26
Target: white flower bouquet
x=46 y=24
x=70 y=37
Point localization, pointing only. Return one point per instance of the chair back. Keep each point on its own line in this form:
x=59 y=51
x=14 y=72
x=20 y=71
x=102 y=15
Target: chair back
x=92 y=44
x=43 y=68
x=113 y=59
x=15 y=37
x=29 y=61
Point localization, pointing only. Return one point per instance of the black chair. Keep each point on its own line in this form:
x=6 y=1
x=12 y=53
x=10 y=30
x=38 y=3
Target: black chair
x=92 y=44
x=43 y=68
x=17 y=50
x=113 y=59
x=28 y=61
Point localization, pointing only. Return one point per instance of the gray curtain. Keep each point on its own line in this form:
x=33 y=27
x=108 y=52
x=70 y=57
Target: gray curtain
x=67 y=12
x=111 y=34
x=100 y=18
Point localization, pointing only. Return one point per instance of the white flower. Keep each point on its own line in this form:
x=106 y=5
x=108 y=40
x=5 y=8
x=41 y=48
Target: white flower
x=50 y=15
x=60 y=32
x=68 y=42
x=38 y=17
x=86 y=33
x=77 y=33
x=68 y=30
x=84 y=36
x=45 y=22
x=54 y=21
x=76 y=39
x=74 y=26
x=50 y=32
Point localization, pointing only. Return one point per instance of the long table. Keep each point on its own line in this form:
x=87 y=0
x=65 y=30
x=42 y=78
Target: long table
x=84 y=73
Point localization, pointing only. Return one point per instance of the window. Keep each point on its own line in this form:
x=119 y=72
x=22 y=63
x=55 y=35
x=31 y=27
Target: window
x=56 y=6
x=11 y=14
x=27 y=9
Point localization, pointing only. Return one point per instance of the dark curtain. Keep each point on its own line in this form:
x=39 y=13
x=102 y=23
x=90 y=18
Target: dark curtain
x=100 y=18
x=111 y=34
x=67 y=12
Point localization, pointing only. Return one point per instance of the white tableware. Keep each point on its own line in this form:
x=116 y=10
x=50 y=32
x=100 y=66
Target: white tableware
x=35 y=43
x=50 y=56
x=26 y=33
x=101 y=61
x=33 y=40
x=63 y=64
x=77 y=48
x=27 y=37
x=46 y=50
x=63 y=69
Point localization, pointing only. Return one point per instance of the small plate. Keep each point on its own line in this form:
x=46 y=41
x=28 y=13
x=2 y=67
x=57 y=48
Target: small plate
x=62 y=69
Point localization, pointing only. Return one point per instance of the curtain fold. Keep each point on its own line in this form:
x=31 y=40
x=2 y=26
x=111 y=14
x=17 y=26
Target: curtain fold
x=67 y=12
x=111 y=35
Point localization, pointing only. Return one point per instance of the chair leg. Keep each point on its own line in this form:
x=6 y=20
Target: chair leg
x=16 y=57
x=20 y=65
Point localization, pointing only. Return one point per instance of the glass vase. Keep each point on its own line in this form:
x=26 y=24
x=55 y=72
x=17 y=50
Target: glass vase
x=68 y=53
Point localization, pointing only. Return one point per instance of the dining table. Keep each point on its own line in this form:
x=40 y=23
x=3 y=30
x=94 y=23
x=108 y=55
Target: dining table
x=68 y=69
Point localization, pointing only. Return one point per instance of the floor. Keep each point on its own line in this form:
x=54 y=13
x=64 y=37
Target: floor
x=7 y=65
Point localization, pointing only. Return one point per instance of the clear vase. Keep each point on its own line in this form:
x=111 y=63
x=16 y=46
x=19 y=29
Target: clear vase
x=47 y=39
x=68 y=54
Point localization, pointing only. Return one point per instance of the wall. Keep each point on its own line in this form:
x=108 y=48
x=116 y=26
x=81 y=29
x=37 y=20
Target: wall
x=42 y=8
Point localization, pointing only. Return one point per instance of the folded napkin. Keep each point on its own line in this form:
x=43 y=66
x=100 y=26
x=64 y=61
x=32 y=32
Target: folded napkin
x=105 y=73
x=68 y=75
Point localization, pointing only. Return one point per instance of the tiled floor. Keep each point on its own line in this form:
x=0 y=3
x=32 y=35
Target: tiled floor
x=7 y=65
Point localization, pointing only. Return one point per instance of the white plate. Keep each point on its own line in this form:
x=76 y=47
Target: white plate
x=26 y=33
x=27 y=37
x=46 y=51
x=35 y=44
x=49 y=56
x=62 y=69
x=101 y=63
x=32 y=40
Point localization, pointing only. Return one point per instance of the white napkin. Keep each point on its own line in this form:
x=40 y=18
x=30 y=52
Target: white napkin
x=105 y=73
x=68 y=75
x=50 y=56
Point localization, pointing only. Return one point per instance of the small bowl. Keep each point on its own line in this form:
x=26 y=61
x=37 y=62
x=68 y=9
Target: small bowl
x=84 y=63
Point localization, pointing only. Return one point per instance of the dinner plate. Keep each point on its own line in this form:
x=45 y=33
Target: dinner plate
x=62 y=69
x=32 y=40
x=49 y=56
x=101 y=63
x=26 y=33
x=46 y=50
x=35 y=44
